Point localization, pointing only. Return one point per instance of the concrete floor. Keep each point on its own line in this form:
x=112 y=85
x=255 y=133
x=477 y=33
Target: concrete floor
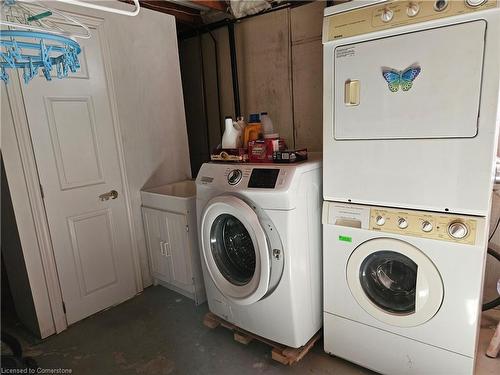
x=160 y=332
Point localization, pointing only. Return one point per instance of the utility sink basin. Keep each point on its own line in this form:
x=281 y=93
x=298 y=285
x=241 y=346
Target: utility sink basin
x=178 y=196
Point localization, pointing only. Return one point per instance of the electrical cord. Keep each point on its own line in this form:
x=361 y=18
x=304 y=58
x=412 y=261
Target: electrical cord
x=496 y=302
x=494 y=230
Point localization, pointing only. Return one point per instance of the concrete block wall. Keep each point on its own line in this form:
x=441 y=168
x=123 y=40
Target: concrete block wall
x=280 y=71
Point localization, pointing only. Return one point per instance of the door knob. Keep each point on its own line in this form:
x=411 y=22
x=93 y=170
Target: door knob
x=113 y=194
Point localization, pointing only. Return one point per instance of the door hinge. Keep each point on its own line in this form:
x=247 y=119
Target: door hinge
x=64 y=307
x=41 y=191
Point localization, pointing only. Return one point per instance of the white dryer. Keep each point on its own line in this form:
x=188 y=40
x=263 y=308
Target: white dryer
x=402 y=288
x=411 y=103
x=260 y=241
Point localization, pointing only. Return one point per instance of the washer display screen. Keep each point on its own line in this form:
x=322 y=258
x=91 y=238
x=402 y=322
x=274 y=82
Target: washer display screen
x=263 y=178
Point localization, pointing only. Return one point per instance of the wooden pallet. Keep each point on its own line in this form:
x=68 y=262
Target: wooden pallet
x=281 y=353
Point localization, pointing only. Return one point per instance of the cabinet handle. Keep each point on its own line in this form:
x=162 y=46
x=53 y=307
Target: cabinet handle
x=167 y=249
x=162 y=250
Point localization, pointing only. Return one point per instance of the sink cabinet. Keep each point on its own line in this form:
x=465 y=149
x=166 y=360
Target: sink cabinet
x=172 y=242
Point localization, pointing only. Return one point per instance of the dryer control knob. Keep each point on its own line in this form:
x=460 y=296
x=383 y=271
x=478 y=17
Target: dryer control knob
x=402 y=223
x=426 y=226
x=386 y=15
x=458 y=230
x=380 y=220
x=440 y=5
x=474 y=3
x=413 y=9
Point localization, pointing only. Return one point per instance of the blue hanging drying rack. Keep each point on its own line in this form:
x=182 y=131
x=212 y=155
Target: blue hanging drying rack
x=31 y=50
x=47 y=52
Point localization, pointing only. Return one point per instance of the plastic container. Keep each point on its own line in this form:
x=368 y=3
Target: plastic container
x=261 y=150
x=240 y=123
x=267 y=124
x=252 y=130
x=232 y=135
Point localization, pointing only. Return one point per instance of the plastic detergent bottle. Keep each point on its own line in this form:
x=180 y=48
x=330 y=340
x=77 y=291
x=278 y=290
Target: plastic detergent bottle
x=240 y=121
x=252 y=130
x=232 y=135
x=267 y=124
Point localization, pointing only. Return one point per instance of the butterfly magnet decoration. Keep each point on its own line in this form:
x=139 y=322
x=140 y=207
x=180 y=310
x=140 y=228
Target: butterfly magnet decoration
x=404 y=78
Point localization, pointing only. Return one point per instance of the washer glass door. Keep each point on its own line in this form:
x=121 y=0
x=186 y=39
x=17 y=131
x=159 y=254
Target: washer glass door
x=389 y=279
x=233 y=250
x=394 y=282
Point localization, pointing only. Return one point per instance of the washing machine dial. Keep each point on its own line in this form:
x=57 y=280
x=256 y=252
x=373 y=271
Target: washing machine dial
x=413 y=9
x=234 y=176
x=426 y=226
x=387 y=15
x=380 y=220
x=402 y=223
x=458 y=230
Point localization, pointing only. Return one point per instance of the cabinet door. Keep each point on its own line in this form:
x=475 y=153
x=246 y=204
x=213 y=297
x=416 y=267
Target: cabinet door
x=176 y=237
x=154 y=227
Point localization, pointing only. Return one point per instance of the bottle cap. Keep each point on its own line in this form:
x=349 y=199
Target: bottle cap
x=254 y=117
x=272 y=135
x=228 y=117
x=263 y=113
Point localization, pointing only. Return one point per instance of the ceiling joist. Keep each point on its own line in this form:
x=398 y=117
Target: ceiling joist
x=220 y=6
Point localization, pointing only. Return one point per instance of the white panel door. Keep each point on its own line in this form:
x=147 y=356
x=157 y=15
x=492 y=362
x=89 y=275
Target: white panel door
x=75 y=147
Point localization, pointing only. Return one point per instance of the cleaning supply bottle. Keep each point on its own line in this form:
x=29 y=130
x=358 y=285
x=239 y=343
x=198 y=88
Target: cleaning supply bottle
x=232 y=135
x=252 y=130
x=267 y=124
x=240 y=121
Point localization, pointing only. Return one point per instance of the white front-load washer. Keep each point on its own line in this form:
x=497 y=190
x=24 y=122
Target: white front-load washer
x=402 y=288
x=260 y=241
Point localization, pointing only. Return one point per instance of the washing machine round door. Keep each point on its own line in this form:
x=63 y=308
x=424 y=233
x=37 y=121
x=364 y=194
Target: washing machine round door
x=395 y=282
x=235 y=249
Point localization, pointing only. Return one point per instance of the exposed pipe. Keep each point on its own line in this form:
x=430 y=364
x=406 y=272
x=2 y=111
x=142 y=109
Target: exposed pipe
x=234 y=70
x=216 y=49
x=86 y=4
x=205 y=105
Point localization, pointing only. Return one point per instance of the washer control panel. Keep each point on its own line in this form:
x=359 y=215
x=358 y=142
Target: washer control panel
x=396 y=13
x=430 y=225
x=265 y=177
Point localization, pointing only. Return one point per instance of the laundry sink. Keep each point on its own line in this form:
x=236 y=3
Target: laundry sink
x=178 y=196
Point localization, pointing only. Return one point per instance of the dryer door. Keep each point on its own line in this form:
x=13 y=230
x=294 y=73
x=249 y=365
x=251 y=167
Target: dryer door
x=235 y=249
x=441 y=101
x=394 y=282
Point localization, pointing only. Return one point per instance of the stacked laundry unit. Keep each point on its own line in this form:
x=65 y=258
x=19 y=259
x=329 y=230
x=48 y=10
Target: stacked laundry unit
x=411 y=114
